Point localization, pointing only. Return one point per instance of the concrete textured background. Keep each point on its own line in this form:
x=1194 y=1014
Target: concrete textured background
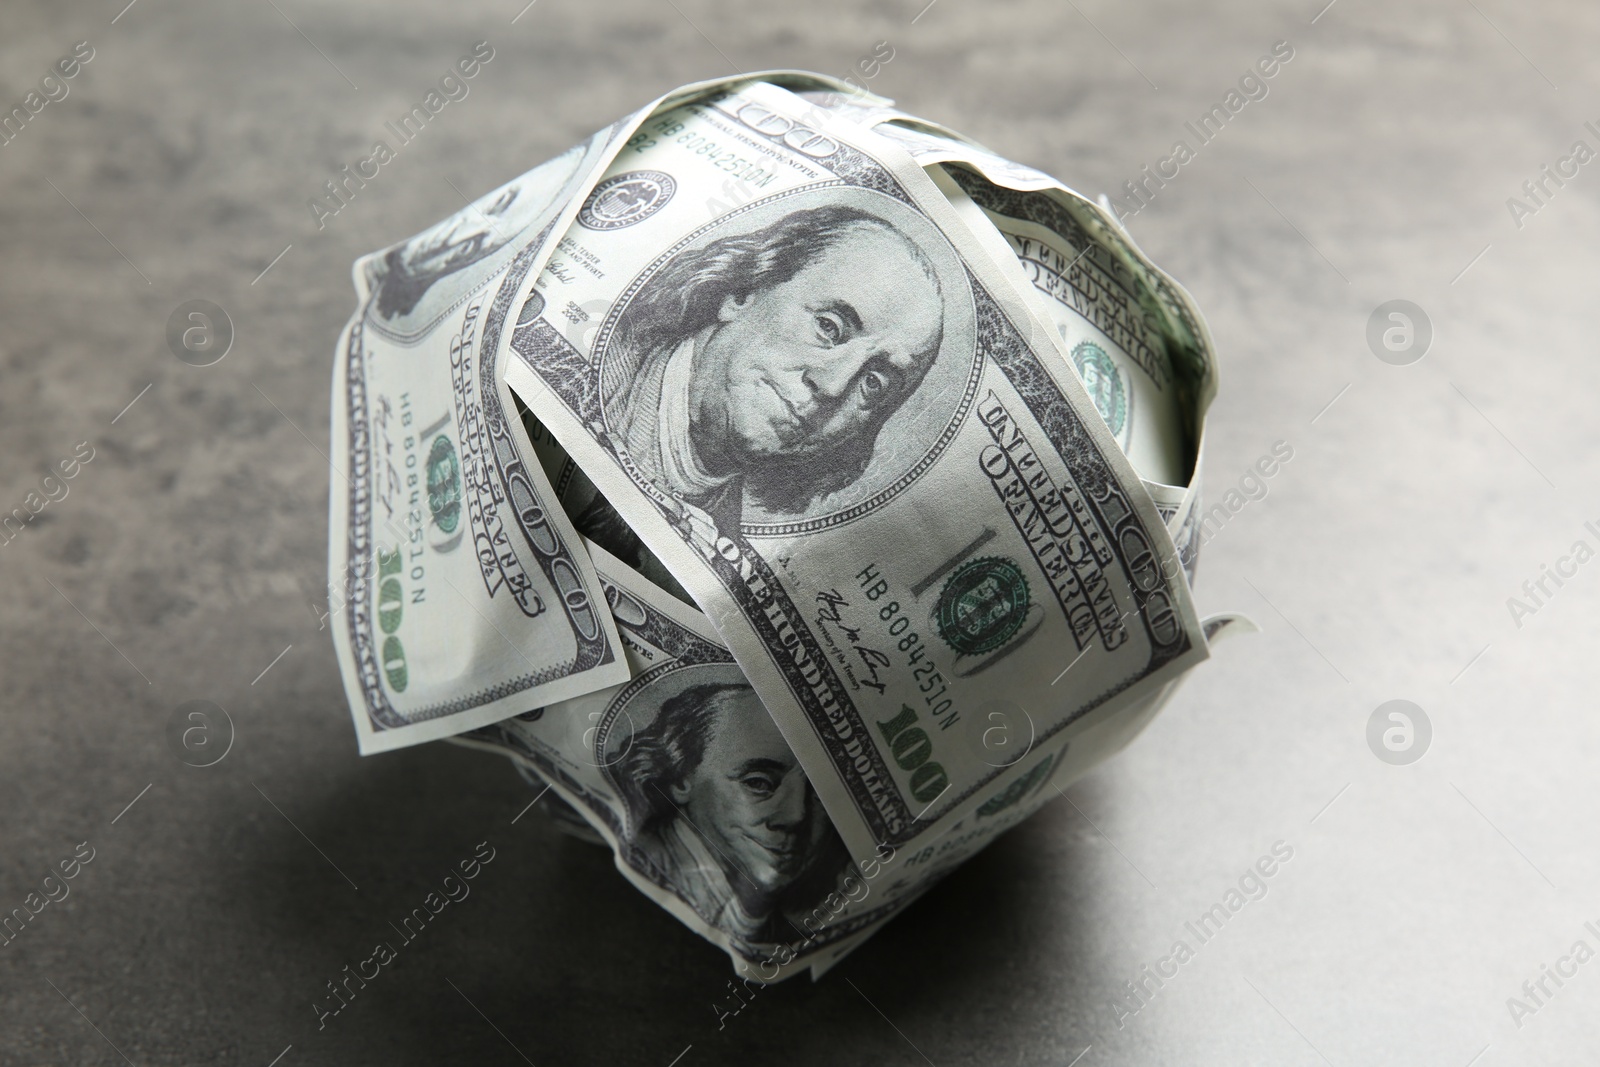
x=189 y=552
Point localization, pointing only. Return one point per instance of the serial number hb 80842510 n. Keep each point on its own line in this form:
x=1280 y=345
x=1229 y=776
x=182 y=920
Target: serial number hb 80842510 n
x=909 y=744
x=898 y=625
x=669 y=129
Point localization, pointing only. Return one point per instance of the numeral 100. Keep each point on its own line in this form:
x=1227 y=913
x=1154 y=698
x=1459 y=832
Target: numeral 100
x=910 y=746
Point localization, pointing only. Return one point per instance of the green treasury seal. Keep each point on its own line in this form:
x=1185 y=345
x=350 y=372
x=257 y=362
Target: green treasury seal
x=444 y=484
x=982 y=605
x=1103 y=380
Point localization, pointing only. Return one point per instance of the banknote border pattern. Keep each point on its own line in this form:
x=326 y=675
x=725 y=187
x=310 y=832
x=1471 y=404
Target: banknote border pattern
x=690 y=649
x=593 y=650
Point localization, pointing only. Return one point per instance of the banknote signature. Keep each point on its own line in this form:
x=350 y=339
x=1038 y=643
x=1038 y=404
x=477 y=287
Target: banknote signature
x=830 y=607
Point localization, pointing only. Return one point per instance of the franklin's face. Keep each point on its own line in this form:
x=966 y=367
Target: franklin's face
x=809 y=363
x=750 y=798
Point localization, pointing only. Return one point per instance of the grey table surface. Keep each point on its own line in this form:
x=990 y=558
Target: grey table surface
x=187 y=558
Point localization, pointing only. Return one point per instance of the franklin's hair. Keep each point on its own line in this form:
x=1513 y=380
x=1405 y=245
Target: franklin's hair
x=668 y=751
x=686 y=296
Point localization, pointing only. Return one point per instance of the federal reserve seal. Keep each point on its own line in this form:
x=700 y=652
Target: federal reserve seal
x=1103 y=379
x=627 y=198
x=444 y=484
x=982 y=606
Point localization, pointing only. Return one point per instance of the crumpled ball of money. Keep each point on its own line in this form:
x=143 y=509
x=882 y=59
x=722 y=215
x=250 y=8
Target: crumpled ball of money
x=793 y=488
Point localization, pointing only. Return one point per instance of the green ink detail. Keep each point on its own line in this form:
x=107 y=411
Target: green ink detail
x=1018 y=789
x=394 y=664
x=444 y=484
x=391 y=605
x=1104 y=383
x=982 y=606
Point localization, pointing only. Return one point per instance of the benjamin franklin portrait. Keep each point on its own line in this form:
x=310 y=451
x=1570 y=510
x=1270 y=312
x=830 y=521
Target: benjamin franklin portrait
x=757 y=371
x=419 y=279
x=719 y=807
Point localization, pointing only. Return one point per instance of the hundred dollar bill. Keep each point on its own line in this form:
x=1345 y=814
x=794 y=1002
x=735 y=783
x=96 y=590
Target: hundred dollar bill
x=1161 y=375
x=1119 y=357
x=684 y=774
x=850 y=437
x=1137 y=341
x=463 y=595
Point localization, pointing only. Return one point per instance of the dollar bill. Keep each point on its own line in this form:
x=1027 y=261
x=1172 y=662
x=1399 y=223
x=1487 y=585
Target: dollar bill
x=1136 y=340
x=1159 y=375
x=707 y=810
x=851 y=438
x=1116 y=352
x=1115 y=285
x=463 y=594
